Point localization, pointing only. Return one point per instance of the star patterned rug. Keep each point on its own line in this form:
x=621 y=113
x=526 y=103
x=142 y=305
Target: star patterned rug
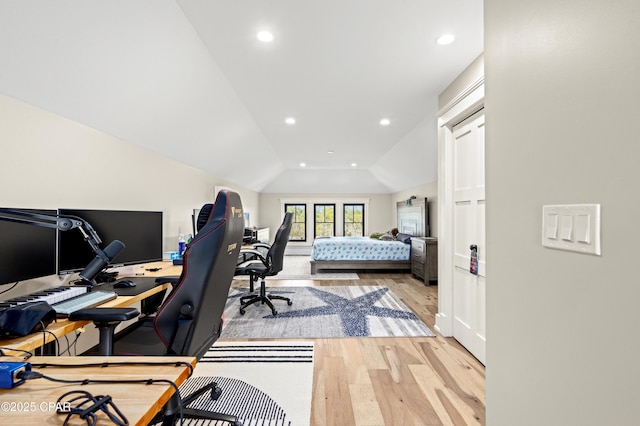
x=319 y=312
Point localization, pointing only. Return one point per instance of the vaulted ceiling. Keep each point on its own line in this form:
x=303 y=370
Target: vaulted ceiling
x=190 y=80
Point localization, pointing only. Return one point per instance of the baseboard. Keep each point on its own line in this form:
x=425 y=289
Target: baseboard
x=443 y=325
x=297 y=250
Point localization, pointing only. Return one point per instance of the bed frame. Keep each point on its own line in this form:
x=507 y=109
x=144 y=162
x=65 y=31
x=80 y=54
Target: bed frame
x=412 y=219
x=359 y=264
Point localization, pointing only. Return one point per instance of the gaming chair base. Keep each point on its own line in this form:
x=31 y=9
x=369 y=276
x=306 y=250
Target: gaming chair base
x=263 y=298
x=170 y=415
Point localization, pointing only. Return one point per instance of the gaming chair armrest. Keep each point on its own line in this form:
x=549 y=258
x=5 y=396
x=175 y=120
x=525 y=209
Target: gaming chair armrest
x=104 y=314
x=106 y=320
x=252 y=254
x=261 y=245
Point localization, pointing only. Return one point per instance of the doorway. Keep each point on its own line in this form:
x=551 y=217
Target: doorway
x=469 y=254
x=461 y=294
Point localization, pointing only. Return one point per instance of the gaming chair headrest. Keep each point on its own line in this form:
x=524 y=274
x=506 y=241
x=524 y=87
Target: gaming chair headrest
x=203 y=216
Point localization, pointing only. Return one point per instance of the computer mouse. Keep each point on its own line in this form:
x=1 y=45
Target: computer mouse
x=124 y=284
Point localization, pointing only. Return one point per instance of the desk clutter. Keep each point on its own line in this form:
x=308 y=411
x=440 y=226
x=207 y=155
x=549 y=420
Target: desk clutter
x=185 y=324
x=34 y=394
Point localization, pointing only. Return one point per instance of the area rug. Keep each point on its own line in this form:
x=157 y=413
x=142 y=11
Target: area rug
x=299 y=268
x=263 y=382
x=319 y=312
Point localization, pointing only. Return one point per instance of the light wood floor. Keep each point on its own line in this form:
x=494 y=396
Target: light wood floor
x=399 y=380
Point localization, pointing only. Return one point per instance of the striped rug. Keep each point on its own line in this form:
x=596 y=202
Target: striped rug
x=264 y=383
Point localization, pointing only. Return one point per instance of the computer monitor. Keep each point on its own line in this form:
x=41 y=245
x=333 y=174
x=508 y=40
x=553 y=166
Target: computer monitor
x=140 y=231
x=27 y=251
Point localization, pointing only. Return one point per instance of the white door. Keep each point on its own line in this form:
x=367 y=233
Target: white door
x=469 y=229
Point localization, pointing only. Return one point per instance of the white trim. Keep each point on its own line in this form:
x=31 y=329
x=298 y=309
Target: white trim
x=462 y=106
x=443 y=324
x=460 y=96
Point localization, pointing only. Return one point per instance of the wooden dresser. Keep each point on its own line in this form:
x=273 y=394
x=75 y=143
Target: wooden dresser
x=424 y=258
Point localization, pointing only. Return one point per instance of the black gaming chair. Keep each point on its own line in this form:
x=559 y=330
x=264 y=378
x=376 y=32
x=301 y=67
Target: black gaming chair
x=261 y=265
x=189 y=321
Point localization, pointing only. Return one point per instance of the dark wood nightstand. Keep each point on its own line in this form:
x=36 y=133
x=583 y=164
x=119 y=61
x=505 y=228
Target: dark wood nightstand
x=424 y=258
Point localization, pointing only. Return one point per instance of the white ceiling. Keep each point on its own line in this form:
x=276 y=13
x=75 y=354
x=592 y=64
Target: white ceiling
x=189 y=79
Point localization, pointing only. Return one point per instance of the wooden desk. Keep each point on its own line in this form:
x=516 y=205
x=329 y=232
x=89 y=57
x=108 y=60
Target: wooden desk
x=30 y=403
x=62 y=327
x=164 y=268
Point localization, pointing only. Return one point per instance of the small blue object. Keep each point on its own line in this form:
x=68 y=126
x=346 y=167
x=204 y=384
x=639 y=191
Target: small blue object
x=170 y=255
x=9 y=373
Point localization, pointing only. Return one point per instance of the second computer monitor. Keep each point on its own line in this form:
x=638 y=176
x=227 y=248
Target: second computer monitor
x=140 y=231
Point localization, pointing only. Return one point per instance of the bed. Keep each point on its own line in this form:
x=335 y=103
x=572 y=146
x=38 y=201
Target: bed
x=359 y=253
x=364 y=253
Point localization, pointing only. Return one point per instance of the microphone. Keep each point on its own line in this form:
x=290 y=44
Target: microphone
x=101 y=260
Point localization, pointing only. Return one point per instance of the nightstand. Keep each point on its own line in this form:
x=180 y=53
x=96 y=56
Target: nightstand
x=424 y=258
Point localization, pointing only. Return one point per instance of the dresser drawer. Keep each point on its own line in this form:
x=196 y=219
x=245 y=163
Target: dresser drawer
x=424 y=258
x=418 y=257
x=417 y=269
x=417 y=246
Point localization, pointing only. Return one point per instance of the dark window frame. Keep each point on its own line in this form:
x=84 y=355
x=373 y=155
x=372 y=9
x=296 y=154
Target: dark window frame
x=303 y=223
x=315 y=222
x=344 y=217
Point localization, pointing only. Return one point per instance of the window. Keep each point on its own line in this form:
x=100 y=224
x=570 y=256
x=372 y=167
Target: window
x=325 y=220
x=354 y=220
x=299 y=226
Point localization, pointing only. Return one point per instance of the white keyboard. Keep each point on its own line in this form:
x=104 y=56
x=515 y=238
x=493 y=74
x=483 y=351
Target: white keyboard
x=50 y=295
x=86 y=300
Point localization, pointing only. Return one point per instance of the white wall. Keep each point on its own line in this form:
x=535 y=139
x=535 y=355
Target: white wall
x=49 y=161
x=562 y=97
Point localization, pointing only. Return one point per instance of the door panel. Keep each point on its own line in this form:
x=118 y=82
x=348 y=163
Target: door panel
x=463 y=158
x=469 y=315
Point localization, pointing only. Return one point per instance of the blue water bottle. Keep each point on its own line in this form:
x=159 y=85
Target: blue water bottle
x=181 y=244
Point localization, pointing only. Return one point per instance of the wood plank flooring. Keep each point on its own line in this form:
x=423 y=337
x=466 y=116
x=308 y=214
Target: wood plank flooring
x=394 y=381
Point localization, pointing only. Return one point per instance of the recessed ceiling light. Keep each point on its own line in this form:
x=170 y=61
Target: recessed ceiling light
x=445 y=39
x=303 y=164
x=265 y=36
x=354 y=164
x=290 y=120
x=330 y=152
x=385 y=122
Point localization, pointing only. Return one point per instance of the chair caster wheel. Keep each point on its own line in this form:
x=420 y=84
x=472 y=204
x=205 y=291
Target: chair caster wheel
x=289 y=302
x=242 y=311
x=274 y=312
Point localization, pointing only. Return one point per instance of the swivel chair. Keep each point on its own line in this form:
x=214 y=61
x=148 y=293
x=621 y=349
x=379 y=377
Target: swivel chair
x=261 y=265
x=189 y=321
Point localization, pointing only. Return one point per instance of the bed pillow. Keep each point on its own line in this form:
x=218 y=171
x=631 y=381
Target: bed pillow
x=405 y=238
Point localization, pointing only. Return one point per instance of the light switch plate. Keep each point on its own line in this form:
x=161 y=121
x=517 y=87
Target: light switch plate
x=572 y=227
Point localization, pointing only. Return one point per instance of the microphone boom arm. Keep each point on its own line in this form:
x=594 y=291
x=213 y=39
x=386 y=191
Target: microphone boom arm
x=61 y=223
